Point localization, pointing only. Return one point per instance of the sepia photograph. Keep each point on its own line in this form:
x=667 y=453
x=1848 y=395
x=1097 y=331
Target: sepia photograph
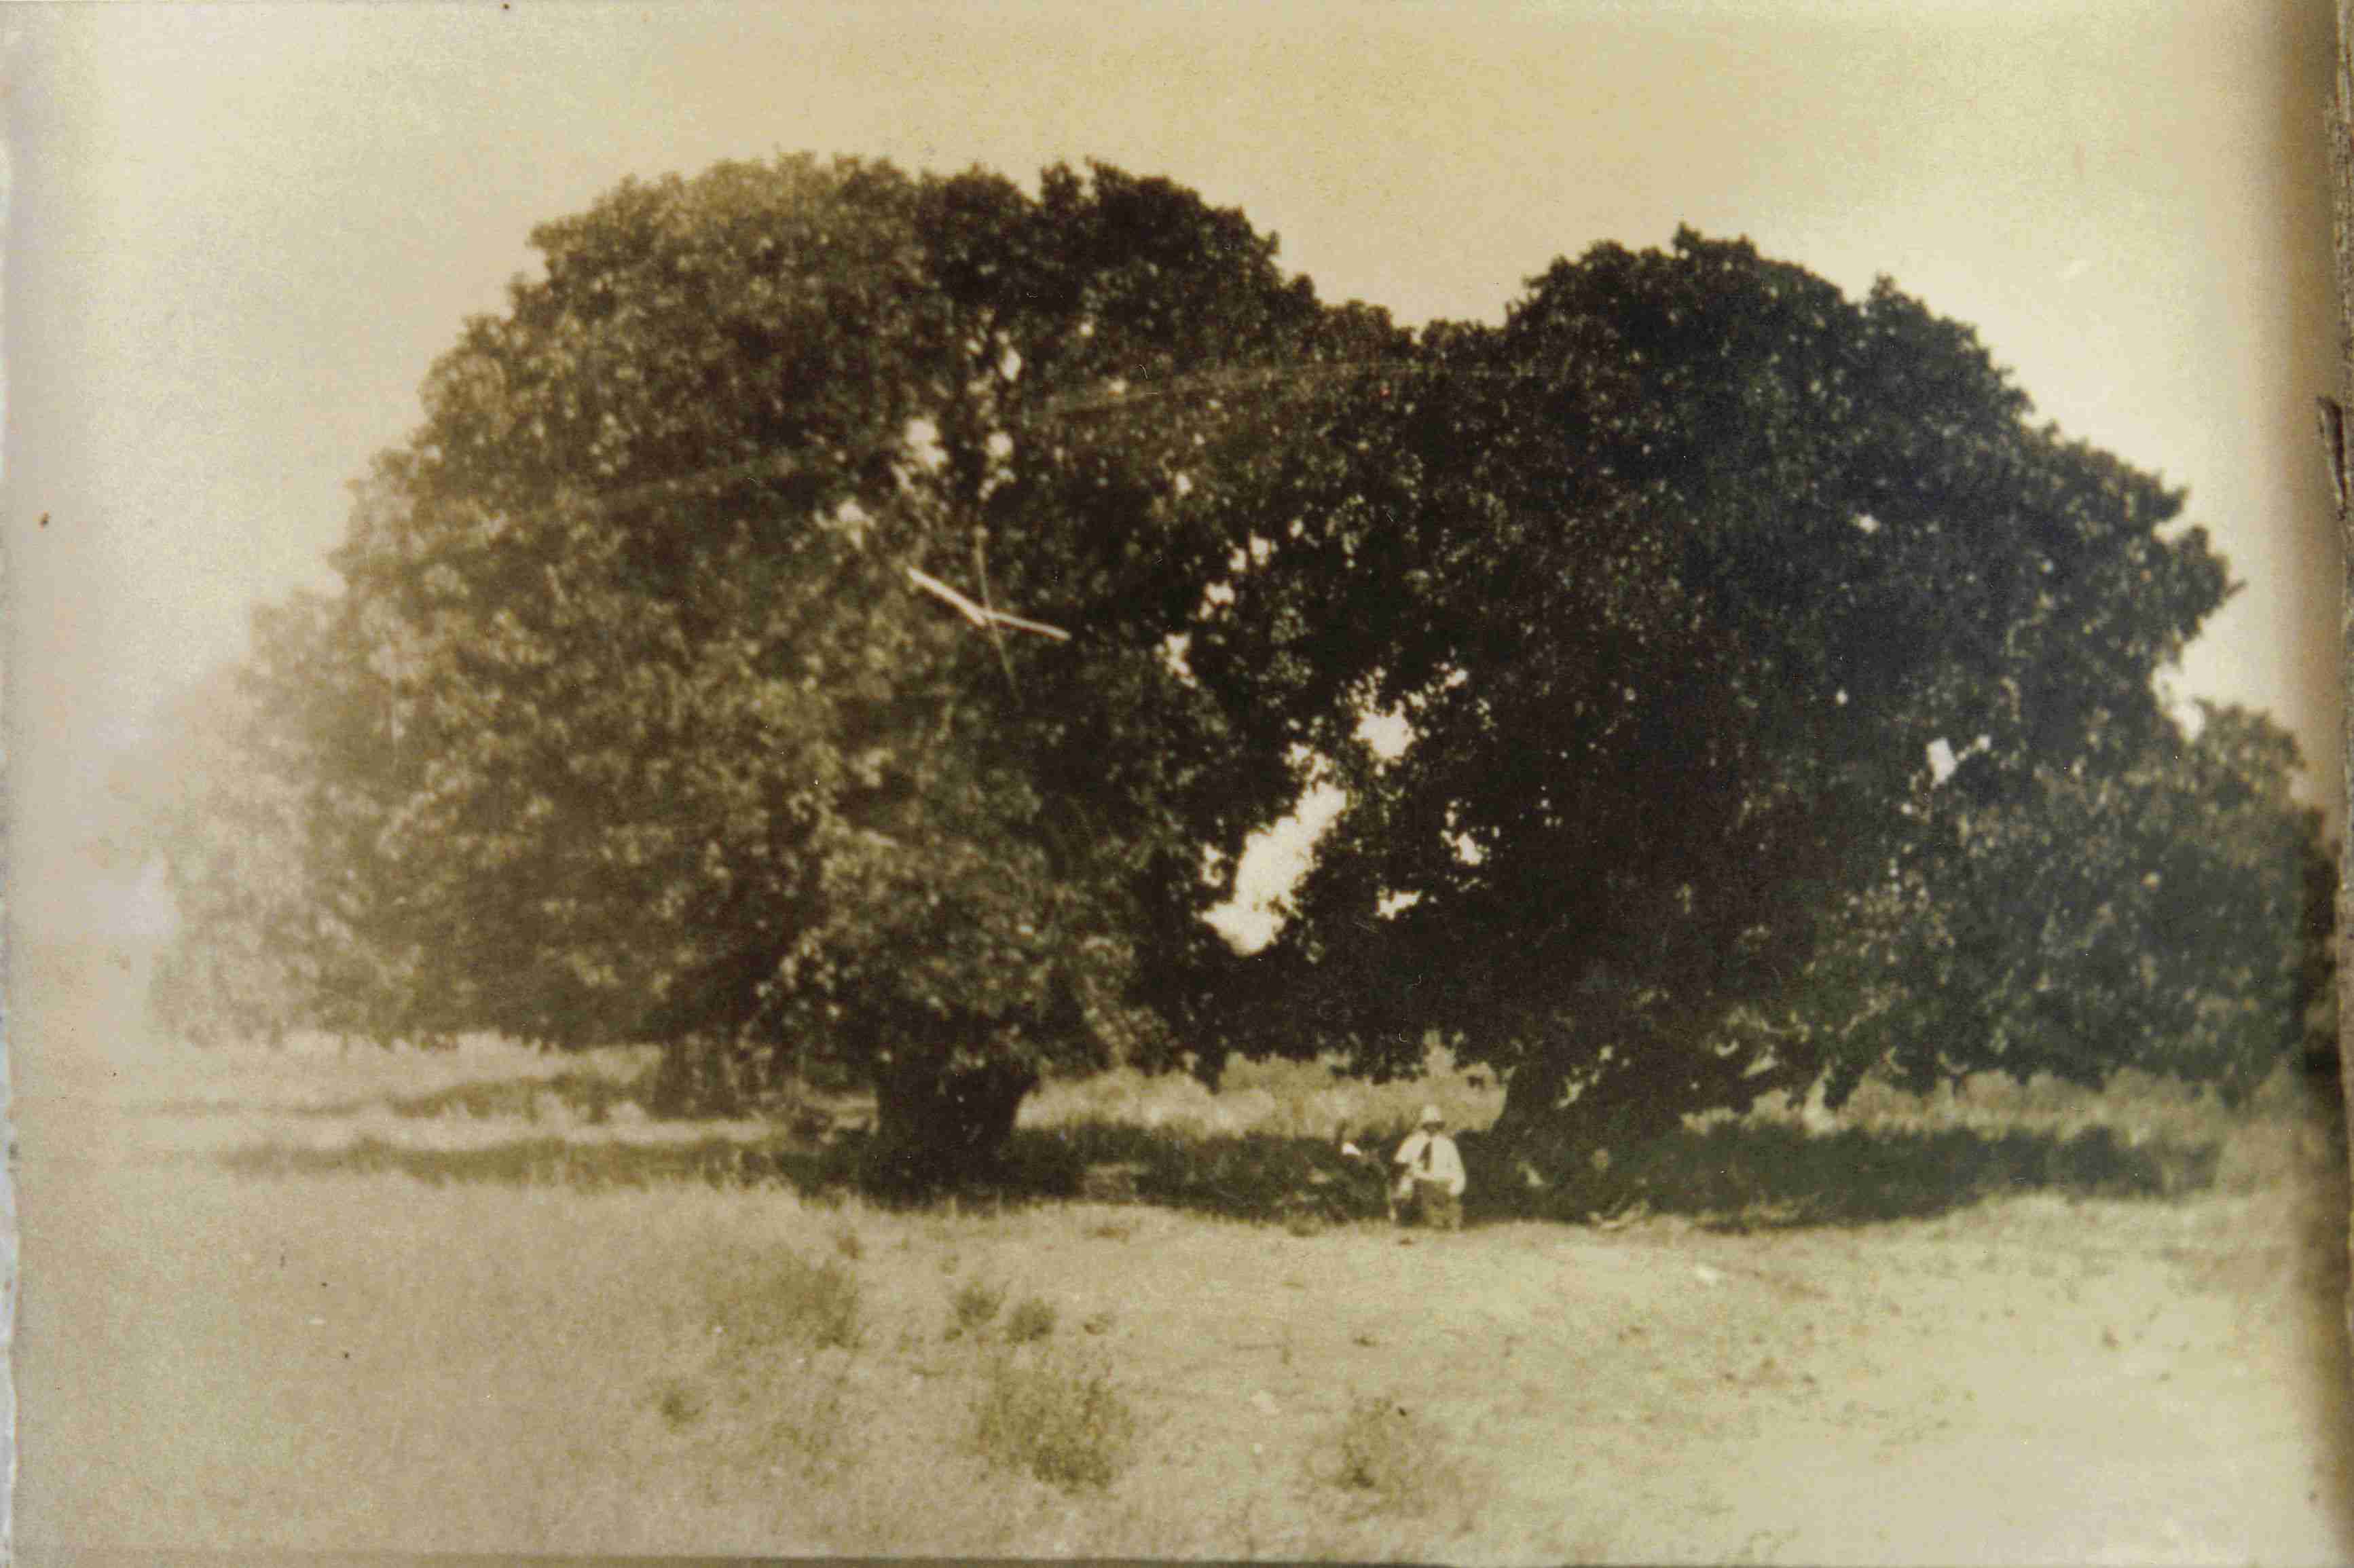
x=1374 y=781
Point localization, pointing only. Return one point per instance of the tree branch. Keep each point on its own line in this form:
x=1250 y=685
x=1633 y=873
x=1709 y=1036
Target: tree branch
x=980 y=615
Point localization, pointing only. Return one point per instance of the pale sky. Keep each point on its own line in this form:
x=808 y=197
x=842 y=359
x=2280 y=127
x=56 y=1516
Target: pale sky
x=239 y=235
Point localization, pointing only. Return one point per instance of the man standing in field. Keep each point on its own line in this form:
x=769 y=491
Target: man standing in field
x=1430 y=1176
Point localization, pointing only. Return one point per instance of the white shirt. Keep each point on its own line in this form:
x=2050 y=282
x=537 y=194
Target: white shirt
x=1433 y=1157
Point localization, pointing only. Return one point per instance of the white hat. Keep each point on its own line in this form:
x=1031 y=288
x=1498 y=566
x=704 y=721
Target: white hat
x=1430 y=1117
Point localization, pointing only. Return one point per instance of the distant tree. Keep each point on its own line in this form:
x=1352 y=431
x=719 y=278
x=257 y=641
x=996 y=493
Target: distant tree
x=674 y=698
x=218 y=798
x=1706 y=554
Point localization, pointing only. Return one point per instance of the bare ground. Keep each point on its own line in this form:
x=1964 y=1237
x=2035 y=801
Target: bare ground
x=346 y=1360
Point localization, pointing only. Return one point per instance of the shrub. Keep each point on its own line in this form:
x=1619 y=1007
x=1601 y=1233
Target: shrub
x=1764 y=1171
x=1245 y=1176
x=1033 y=1317
x=679 y=1403
x=1391 y=1456
x=1067 y=1425
x=972 y=1307
x=760 y=1300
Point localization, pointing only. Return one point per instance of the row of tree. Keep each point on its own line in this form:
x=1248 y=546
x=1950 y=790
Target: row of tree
x=835 y=621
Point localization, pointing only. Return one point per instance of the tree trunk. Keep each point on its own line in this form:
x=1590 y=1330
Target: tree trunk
x=1564 y=1102
x=936 y=1125
x=699 y=1077
x=1533 y=1098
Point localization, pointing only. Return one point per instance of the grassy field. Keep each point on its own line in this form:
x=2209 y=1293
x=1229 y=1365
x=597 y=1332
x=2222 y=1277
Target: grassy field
x=478 y=1301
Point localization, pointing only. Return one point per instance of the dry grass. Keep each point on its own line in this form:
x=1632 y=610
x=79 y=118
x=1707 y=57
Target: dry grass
x=1392 y=1458
x=480 y=1078
x=974 y=1307
x=1064 y=1423
x=489 y=1368
x=761 y=1299
x=1033 y=1319
x=428 y=1349
x=480 y=1367
x=1275 y=1099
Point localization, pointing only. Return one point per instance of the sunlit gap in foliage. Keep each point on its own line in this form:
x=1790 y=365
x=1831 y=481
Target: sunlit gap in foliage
x=1274 y=858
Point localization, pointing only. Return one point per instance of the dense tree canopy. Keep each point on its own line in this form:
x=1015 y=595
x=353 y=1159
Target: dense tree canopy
x=1709 y=556
x=673 y=703
x=2168 y=910
x=834 y=619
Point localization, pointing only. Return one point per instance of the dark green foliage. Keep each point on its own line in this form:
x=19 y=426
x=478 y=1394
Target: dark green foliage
x=635 y=722
x=2165 y=907
x=1248 y=1175
x=1745 y=1174
x=1705 y=557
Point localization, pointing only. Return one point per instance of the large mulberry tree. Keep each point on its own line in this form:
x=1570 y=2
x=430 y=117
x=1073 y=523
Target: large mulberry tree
x=790 y=635
x=1708 y=556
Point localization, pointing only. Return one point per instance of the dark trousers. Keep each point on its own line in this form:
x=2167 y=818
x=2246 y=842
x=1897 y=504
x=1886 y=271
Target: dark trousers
x=1429 y=1203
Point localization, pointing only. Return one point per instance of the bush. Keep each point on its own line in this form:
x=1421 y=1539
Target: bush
x=1243 y=1176
x=1743 y=1173
x=679 y=1403
x=1031 y=1319
x=761 y=1300
x=1392 y=1458
x=1065 y=1426
x=972 y=1307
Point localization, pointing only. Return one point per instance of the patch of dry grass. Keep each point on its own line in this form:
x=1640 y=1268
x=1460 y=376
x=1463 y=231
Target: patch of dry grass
x=1060 y=1421
x=1033 y=1319
x=1278 y=1099
x=974 y=1307
x=1390 y=1459
x=475 y=1368
x=479 y=1077
x=761 y=1299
